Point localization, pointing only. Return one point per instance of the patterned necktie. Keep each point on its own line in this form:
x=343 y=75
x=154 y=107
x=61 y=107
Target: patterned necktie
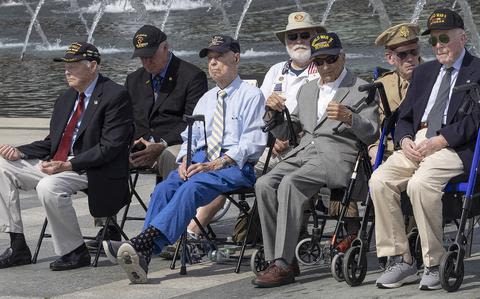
x=435 y=117
x=66 y=141
x=215 y=143
x=156 y=84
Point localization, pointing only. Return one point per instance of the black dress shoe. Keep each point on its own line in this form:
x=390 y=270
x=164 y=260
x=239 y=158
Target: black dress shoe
x=79 y=257
x=11 y=258
x=111 y=234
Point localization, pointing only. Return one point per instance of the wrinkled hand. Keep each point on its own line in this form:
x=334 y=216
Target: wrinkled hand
x=280 y=146
x=372 y=152
x=409 y=148
x=339 y=112
x=182 y=169
x=203 y=167
x=52 y=167
x=148 y=156
x=431 y=145
x=276 y=102
x=9 y=152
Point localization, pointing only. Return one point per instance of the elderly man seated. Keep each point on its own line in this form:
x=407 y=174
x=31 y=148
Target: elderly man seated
x=233 y=114
x=324 y=157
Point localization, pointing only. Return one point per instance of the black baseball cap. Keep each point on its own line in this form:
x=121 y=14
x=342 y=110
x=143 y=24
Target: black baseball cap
x=221 y=44
x=146 y=41
x=80 y=51
x=443 y=19
x=325 y=44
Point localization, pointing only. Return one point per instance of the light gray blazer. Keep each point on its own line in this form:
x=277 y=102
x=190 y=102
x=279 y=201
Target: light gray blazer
x=336 y=151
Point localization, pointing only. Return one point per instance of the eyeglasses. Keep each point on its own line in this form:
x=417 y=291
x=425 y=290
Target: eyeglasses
x=294 y=36
x=330 y=59
x=404 y=54
x=442 y=38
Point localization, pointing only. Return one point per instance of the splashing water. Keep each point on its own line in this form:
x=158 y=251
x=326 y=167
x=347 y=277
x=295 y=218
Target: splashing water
x=167 y=13
x=327 y=11
x=75 y=7
x=240 y=21
x=417 y=11
x=140 y=8
x=37 y=26
x=96 y=19
x=454 y=4
x=299 y=5
x=470 y=24
x=218 y=4
x=382 y=13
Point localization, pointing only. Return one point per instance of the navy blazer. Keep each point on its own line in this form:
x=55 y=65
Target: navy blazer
x=102 y=145
x=182 y=87
x=460 y=130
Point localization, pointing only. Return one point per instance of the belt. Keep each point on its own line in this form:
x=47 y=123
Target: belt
x=423 y=125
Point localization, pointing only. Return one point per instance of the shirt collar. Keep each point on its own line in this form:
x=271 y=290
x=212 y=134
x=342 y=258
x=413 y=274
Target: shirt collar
x=163 y=72
x=458 y=63
x=88 y=92
x=231 y=88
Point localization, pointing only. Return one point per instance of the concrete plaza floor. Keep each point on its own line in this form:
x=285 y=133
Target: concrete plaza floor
x=203 y=280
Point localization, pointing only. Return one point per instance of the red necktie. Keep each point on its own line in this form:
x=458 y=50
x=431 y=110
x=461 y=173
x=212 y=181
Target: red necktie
x=66 y=142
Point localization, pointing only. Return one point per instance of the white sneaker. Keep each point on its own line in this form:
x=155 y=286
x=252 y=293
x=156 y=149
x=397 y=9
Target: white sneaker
x=397 y=273
x=430 y=279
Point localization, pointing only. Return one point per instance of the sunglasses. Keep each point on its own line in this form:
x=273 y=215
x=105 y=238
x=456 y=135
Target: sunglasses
x=404 y=54
x=294 y=36
x=442 y=38
x=330 y=59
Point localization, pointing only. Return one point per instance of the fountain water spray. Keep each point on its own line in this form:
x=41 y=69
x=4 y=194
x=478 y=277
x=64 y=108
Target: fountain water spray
x=75 y=7
x=140 y=8
x=218 y=4
x=382 y=13
x=299 y=5
x=470 y=24
x=96 y=19
x=167 y=13
x=32 y=22
x=327 y=11
x=454 y=4
x=417 y=11
x=240 y=21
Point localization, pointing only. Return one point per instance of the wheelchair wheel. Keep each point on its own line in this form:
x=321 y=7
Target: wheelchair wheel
x=307 y=252
x=450 y=280
x=354 y=274
x=336 y=266
x=222 y=211
x=257 y=261
x=415 y=247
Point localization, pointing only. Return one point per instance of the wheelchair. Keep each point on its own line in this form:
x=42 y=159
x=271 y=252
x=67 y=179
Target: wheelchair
x=451 y=266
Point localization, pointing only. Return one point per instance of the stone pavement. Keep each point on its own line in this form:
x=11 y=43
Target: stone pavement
x=203 y=280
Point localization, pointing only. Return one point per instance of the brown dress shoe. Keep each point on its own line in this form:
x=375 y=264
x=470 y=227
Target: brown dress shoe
x=274 y=276
x=294 y=267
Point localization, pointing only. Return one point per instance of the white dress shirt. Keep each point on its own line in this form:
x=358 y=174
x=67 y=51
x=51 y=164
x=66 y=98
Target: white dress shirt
x=326 y=93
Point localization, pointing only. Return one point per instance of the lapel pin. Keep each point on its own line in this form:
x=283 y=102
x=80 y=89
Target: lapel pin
x=148 y=81
x=468 y=81
x=170 y=78
x=95 y=102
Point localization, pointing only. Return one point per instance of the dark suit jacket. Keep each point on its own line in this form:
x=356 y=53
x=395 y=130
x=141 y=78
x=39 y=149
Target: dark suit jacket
x=102 y=146
x=183 y=86
x=460 y=130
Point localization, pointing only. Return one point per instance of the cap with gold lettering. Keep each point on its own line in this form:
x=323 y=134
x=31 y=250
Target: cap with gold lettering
x=146 y=41
x=398 y=35
x=327 y=43
x=443 y=19
x=221 y=44
x=80 y=51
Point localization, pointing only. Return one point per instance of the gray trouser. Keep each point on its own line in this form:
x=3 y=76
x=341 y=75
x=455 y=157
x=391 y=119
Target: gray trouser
x=54 y=192
x=281 y=195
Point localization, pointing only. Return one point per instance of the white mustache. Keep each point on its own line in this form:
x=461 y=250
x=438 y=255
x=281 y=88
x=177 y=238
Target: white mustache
x=300 y=47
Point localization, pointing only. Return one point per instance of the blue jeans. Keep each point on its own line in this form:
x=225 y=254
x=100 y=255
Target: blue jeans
x=174 y=202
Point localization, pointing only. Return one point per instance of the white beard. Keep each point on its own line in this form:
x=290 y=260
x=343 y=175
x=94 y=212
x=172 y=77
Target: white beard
x=299 y=55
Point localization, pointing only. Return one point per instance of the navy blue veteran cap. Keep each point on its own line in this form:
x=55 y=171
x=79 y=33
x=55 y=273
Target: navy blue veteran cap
x=443 y=19
x=325 y=44
x=146 y=41
x=221 y=44
x=80 y=51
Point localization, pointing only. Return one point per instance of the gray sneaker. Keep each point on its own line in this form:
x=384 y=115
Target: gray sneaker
x=397 y=273
x=111 y=249
x=133 y=263
x=430 y=279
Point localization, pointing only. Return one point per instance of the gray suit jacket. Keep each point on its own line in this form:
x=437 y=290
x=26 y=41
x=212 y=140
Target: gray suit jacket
x=337 y=152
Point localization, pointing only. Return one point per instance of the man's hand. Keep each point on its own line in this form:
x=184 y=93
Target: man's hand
x=10 y=153
x=431 y=145
x=372 y=152
x=409 y=148
x=148 y=156
x=276 y=102
x=280 y=146
x=339 y=112
x=52 y=167
x=182 y=169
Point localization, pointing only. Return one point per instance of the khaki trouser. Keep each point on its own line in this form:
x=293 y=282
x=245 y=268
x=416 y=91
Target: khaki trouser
x=424 y=183
x=54 y=192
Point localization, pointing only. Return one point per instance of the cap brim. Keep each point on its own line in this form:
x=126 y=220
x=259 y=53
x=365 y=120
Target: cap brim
x=144 y=52
x=281 y=34
x=204 y=52
x=67 y=60
x=326 y=52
